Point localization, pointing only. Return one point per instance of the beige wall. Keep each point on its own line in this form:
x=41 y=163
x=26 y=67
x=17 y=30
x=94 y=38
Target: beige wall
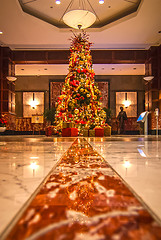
x=117 y=83
x=125 y=83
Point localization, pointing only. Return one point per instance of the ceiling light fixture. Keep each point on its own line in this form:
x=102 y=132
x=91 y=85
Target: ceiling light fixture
x=57 y=2
x=101 y=1
x=81 y=17
x=1 y=32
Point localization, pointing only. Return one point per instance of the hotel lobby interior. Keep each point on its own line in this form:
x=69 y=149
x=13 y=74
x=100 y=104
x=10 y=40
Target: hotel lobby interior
x=76 y=173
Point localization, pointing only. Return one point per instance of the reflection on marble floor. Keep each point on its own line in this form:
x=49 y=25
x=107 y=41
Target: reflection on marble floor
x=83 y=198
x=138 y=161
x=24 y=162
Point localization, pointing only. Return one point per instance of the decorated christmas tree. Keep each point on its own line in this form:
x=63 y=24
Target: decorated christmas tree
x=80 y=97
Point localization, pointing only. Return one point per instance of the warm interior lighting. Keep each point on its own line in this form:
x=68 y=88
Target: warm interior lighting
x=79 y=19
x=33 y=103
x=126 y=102
x=127 y=164
x=148 y=78
x=34 y=157
x=1 y=32
x=57 y=2
x=101 y=1
x=11 y=78
x=34 y=166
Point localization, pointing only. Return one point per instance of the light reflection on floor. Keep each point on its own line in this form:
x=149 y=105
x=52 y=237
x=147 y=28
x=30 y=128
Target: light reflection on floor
x=25 y=161
x=138 y=161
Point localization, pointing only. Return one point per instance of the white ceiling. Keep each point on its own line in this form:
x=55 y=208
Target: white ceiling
x=138 y=31
x=53 y=13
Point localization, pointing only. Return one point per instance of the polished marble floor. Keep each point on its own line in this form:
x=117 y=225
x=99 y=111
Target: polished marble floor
x=25 y=161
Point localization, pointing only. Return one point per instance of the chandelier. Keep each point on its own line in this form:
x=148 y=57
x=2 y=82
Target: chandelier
x=81 y=17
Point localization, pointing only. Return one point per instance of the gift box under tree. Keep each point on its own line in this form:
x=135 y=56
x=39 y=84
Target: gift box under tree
x=91 y=133
x=69 y=132
x=107 y=131
x=68 y=125
x=85 y=132
x=99 y=132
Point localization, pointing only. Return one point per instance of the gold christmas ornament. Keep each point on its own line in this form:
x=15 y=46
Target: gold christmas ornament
x=76 y=111
x=95 y=97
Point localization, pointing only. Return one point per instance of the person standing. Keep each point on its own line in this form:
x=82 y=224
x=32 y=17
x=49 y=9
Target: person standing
x=121 y=118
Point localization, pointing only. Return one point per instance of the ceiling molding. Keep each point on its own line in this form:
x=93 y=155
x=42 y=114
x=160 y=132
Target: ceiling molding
x=120 y=10
x=98 y=56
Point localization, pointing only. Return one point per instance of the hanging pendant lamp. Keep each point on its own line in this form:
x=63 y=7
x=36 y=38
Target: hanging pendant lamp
x=80 y=18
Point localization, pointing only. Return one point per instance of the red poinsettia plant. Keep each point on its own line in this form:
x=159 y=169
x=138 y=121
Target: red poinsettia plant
x=3 y=122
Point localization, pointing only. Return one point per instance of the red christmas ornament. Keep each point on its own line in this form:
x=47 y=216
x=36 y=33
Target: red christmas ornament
x=83 y=122
x=77 y=121
x=70 y=115
x=62 y=110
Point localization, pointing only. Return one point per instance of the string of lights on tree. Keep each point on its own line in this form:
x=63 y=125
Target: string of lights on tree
x=80 y=97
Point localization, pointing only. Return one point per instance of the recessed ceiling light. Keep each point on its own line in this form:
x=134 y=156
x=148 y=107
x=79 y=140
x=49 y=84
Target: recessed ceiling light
x=101 y=1
x=22 y=69
x=1 y=32
x=45 y=69
x=159 y=31
x=113 y=68
x=134 y=68
x=57 y=1
x=51 y=7
x=103 y=68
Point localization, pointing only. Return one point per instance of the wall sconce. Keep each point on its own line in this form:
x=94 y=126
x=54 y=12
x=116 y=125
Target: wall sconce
x=11 y=78
x=126 y=102
x=148 y=78
x=33 y=103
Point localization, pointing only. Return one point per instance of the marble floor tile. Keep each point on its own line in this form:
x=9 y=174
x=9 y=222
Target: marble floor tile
x=84 y=198
x=26 y=160
x=24 y=163
x=138 y=161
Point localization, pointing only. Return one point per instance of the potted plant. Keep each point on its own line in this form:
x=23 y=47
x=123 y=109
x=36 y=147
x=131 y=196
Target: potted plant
x=49 y=115
x=2 y=125
x=108 y=115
